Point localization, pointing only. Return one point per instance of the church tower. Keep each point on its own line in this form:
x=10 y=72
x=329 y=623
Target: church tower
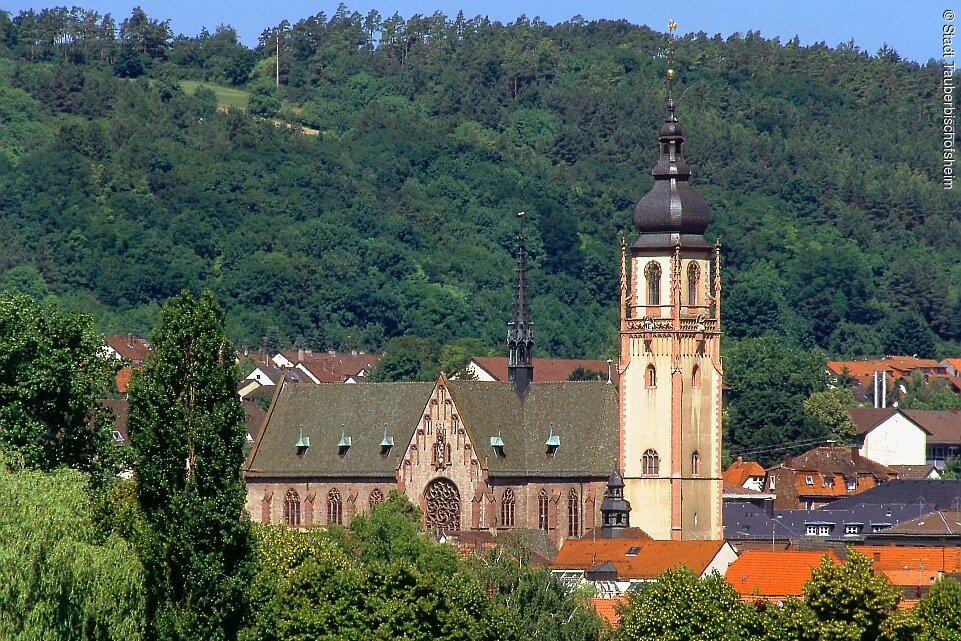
x=520 y=336
x=670 y=363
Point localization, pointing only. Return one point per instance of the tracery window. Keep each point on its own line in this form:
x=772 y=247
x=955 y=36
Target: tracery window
x=292 y=508
x=695 y=464
x=650 y=376
x=693 y=277
x=335 y=507
x=507 y=508
x=650 y=462
x=376 y=496
x=443 y=506
x=573 y=514
x=542 y=510
x=652 y=272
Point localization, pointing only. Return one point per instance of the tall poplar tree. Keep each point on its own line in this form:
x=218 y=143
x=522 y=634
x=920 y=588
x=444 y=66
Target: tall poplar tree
x=187 y=430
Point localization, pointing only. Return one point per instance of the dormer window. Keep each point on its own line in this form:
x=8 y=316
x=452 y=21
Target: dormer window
x=302 y=443
x=344 y=444
x=497 y=442
x=553 y=442
x=809 y=480
x=386 y=443
x=117 y=436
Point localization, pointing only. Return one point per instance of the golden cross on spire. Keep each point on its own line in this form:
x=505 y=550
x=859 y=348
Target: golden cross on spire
x=671 y=27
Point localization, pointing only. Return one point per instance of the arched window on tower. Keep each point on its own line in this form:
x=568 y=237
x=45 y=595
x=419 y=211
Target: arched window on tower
x=650 y=376
x=650 y=462
x=573 y=514
x=695 y=464
x=292 y=508
x=652 y=272
x=335 y=508
x=693 y=277
x=507 y=508
x=696 y=377
x=542 y=510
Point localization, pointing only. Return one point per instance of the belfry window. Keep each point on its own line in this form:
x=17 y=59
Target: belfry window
x=693 y=276
x=650 y=376
x=292 y=508
x=652 y=272
x=695 y=464
x=650 y=462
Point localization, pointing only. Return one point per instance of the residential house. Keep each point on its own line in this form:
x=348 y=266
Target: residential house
x=774 y=575
x=328 y=367
x=913 y=568
x=130 y=349
x=614 y=566
x=895 y=370
x=926 y=494
x=943 y=434
x=888 y=436
x=938 y=528
x=824 y=474
x=746 y=474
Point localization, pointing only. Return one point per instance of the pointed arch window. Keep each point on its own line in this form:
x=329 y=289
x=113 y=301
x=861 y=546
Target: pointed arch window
x=335 y=507
x=696 y=377
x=650 y=462
x=693 y=278
x=652 y=273
x=292 y=508
x=695 y=464
x=542 y=504
x=573 y=514
x=507 y=508
x=376 y=497
x=650 y=376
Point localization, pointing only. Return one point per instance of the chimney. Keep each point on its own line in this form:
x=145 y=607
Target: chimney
x=769 y=508
x=300 y=355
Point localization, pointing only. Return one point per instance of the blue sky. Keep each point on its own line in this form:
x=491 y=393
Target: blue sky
x=913 y=28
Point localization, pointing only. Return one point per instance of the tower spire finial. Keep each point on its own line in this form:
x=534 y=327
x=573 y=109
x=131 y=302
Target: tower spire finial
x=520 y=336
x=671 y=27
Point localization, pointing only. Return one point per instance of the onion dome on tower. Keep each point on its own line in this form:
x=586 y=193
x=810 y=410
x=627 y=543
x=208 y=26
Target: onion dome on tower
x=671 y=212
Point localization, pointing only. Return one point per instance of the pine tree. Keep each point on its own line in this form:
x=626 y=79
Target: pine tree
x=187 y=430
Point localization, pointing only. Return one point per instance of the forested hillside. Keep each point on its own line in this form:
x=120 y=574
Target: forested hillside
x=372 y=193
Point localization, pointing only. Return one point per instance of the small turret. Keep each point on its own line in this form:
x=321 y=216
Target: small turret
x=520 y=336
x=615 y=510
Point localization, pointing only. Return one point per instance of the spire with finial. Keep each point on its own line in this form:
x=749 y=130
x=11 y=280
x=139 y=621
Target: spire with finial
x=520 y=336
x=671 y=213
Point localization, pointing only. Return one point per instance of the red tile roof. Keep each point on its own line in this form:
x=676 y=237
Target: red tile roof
x=546 y=370
x=607 y=608
x=130 y=347
x=652 y=558
x=867 y=418
x=774 y=574
x=907 y=558
x=740 y=471
x=330 y=367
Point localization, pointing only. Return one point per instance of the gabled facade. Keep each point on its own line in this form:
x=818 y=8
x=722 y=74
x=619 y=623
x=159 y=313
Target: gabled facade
x=888 y=436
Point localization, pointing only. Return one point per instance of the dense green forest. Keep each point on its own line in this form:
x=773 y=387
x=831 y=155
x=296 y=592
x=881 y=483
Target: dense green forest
x=371 y=193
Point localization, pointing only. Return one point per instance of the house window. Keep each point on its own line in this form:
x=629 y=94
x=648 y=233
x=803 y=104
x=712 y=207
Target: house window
x=828 y=481
x=817 y=529
x=573 y=514
x=292 y=508
x=650 y=462
x=653 y=275
x=650 y=376
x=852 y=485
x=771 y=483
x=852 y=530
x=693 y=276
x=507 y=508
x=335 y=508
x=696 y=377
x=810 y=530
x=809 y=480
x=542 y=510
x=824 y=530
x=376 y=497
x=695 y=464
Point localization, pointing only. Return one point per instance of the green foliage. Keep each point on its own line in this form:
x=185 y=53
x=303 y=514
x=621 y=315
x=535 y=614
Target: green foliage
x=583 y=374
x=933 y=394
x=381 y=578
x=825 y=410
x=938 y=613
x=681 y=607
x=769 y=382
x=54 y=372
x=187 y=430
x=60 y=579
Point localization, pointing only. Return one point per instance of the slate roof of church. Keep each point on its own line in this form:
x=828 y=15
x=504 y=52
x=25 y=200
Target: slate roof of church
x=584 y=415
x=936 y=494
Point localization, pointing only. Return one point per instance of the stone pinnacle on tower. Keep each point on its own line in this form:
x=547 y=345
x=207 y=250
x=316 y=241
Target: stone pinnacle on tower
x=520 y=336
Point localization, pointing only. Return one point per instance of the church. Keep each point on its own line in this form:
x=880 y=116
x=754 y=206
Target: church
x=495 y=456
